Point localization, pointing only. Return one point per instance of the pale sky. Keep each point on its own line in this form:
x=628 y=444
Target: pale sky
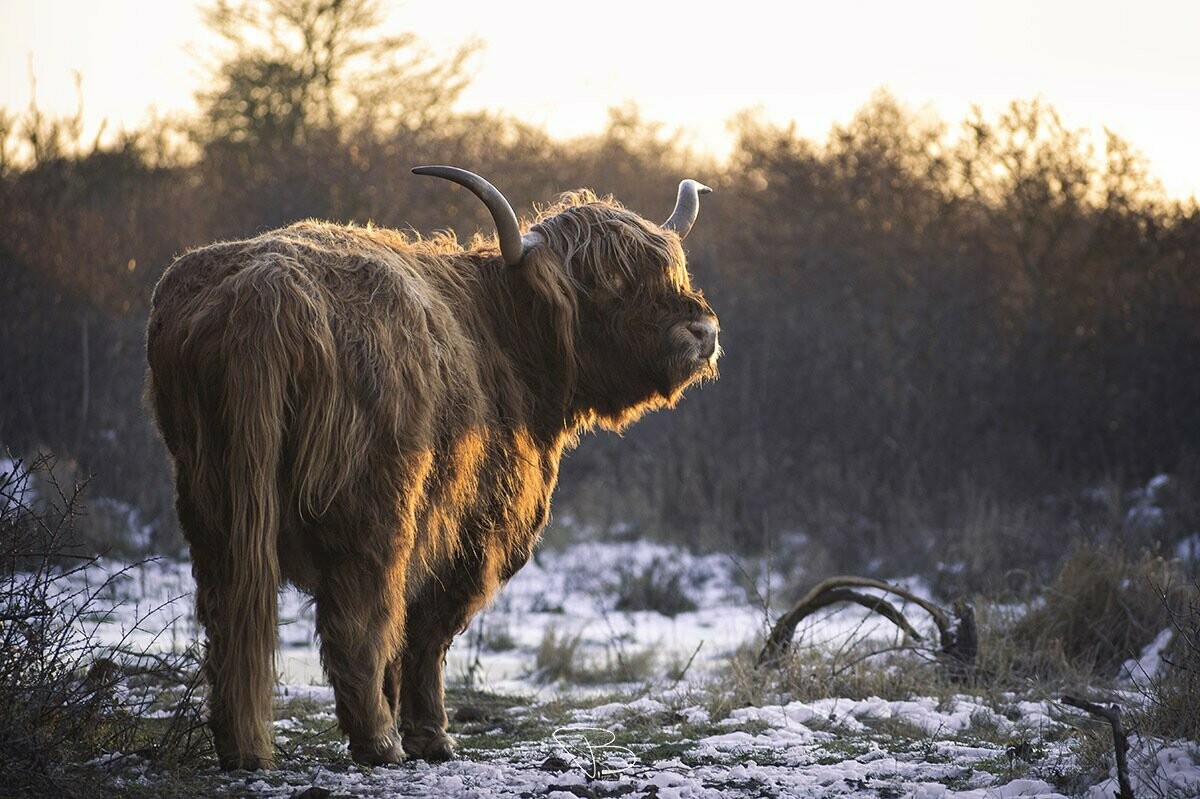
x=1133 y=67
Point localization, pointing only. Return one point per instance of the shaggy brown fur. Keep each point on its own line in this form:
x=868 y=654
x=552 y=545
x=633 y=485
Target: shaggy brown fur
x=379 y=421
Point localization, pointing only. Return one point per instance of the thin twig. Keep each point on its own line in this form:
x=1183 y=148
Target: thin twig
x=686 y=666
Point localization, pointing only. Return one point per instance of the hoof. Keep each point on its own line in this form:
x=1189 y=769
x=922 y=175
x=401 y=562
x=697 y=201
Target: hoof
x=429 y=743
x=383 y=751
x=242 y=748
x=245 y=762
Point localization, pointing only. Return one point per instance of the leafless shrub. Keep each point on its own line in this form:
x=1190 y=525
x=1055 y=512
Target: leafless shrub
x=70 y=706
x=1173 y=693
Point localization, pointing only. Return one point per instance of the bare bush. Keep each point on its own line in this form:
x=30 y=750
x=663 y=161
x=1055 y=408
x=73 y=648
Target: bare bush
x=66 y=700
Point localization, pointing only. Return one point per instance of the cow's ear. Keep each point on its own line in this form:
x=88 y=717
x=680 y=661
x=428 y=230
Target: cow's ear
x=528 y=242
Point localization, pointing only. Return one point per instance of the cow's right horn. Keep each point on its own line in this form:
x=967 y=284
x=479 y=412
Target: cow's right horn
x=687 y=206
x=512 y=246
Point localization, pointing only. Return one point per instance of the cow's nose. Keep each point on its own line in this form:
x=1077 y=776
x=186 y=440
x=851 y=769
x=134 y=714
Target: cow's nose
x=705 y=331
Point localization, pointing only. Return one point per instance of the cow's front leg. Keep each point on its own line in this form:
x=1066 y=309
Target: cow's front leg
x=422 y=693
x=360 y=621
x=440 y=612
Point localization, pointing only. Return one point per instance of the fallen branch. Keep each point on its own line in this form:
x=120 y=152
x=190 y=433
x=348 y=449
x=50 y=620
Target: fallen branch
x=958 y=642
x=1111 y=714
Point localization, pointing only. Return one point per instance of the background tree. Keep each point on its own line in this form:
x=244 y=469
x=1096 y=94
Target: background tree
x=930 y=330
x=292 y=67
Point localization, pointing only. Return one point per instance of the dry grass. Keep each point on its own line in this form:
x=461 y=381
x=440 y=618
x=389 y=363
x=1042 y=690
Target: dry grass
x=1172 y=708
x=1104 y=607
x=890 y=668
x=561 y=656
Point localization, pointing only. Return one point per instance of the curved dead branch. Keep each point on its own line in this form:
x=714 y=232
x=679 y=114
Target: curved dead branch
x=875 y=604
x=959 y=642
x=1111 y=714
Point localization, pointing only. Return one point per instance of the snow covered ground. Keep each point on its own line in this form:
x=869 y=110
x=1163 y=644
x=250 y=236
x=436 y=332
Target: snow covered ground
x=657 y=734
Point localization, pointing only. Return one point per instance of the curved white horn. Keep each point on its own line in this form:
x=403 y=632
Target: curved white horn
x=687 y=206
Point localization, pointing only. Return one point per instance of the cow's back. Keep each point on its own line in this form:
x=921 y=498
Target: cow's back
x=381 y=370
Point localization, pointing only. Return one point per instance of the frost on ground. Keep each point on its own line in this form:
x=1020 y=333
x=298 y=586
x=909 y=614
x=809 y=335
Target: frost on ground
x=671 y=727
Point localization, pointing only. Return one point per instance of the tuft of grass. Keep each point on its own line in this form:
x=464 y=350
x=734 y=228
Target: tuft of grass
x=656 y=586
x=560 y=656
x=863 y=668
x=1103 y=608
x=557 y=656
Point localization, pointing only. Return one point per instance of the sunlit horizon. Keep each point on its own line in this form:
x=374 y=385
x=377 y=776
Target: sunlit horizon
x=1101 y=65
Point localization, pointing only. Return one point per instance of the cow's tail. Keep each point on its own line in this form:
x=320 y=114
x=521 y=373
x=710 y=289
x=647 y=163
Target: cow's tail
x=276 y=338
x=254 y=411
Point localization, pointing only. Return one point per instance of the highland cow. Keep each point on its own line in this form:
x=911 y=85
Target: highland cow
x=379 y=418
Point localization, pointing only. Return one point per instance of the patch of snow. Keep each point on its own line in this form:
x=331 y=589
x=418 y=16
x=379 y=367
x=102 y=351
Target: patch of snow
x=1145 y=517
x=1188 y=550
x=853 y=715
x=792 y=749
x=1144 y=513
x=794 y=714
x=1101 y=495
x=1034 y=715
x=1141 y=670
x=152 y=606
x=1156 y=768
x=1157 y=485
x=645 y=706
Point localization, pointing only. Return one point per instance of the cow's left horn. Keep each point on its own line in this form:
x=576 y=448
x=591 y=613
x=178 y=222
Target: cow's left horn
x=512 y=247
x=687 y=206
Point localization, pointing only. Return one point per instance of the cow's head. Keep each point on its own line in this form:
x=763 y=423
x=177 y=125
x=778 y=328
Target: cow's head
x=640 y=333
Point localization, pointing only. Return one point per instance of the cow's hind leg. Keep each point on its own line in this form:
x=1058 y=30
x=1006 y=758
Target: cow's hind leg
x=360 y=619
x=240 y=676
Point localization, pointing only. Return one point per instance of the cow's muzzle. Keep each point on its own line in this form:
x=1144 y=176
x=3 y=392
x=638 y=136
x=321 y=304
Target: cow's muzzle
x=705 y=331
